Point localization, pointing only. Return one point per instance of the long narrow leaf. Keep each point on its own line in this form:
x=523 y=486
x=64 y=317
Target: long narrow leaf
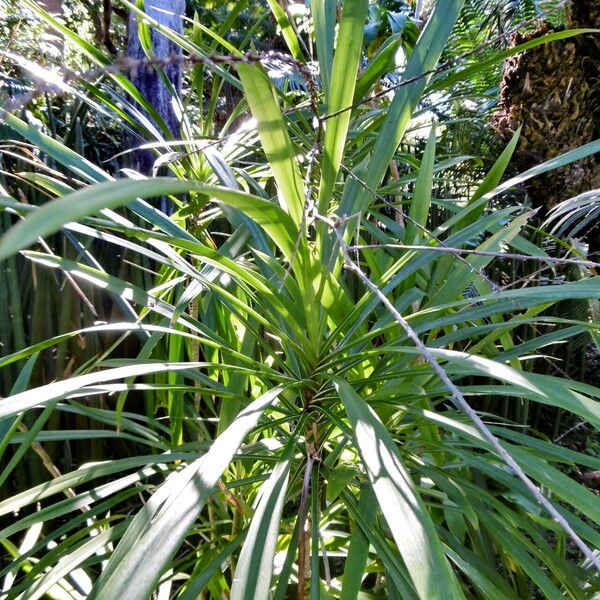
x=403 y=509
x=252 y=579
x=159 y=528
x=275 y=138
x=424 y=58
x=343 y=79
x=53 y=215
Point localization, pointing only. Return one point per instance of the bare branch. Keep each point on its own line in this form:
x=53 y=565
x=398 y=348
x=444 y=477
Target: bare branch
x=507 y=255
x=459 y=399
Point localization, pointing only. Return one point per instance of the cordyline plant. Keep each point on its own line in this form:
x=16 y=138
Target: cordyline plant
x=307 y=428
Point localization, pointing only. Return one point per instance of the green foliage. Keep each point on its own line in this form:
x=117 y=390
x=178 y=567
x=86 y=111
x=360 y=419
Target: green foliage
x=266 y=426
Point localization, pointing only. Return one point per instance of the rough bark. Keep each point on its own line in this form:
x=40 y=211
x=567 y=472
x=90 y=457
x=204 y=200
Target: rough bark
x=552 y=92
x=148 y=81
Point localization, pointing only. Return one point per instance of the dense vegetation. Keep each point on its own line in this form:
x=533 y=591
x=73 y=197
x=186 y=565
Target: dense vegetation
x=322 y=338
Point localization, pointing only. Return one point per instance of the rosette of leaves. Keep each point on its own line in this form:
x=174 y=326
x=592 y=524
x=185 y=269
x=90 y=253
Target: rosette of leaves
x=286 y=435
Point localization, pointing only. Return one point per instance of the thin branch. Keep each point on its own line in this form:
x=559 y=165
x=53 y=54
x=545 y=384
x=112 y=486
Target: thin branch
x=455 y=252
x=124 y=64
x=302 y=543
x=508 y=255
x=459 y=399
x=48 y=463
x=428 y=234
x=569 y=431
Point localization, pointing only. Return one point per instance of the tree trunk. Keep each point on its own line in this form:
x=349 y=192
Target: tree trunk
x=148 y=81
x=55 y=8
x=551 y=91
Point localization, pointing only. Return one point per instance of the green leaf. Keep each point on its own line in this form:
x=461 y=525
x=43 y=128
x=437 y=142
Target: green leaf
x=343 y=79
x=550 y=165
x=358 y=552
x=252 y=578
x=323 y=14
x=112 y=194
x=405 y=513
x=151 y=465
x=337 y=480
x=157 y=531
x=383 y=61
x=495 y=174
x=275 y=138
x=498 y=57
x=424 y=58
x=71 y=559
x=490 y=181
x=65 y=156
x=466 y=272
x=286 y=29
x=113 y=327
x=45 y=182
x=562 y=485
x=196 y=584
x=421 y=201
x=26 y=441
x=545 y=389
x=60 y=389
x=9 y=426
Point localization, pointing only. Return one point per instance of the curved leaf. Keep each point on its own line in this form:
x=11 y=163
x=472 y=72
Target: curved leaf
x=112 y=194
x=401 y=505
x=158 y=529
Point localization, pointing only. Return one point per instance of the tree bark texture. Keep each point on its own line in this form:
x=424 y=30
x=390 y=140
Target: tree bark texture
x=148 y=81
x=552 y=92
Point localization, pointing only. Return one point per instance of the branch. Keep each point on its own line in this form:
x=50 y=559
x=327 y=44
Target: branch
x=450 y=250
x=459 y=399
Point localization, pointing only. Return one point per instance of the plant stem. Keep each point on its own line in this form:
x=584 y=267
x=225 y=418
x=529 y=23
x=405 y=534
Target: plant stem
x=302 y=543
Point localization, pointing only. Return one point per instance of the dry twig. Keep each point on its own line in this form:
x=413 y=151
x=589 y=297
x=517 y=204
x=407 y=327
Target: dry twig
x=459 y=399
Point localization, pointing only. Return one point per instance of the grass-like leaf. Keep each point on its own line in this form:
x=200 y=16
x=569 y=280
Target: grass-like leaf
x=161 y=525
x=254 y=570
x=52 y=216
x=401 y=505
x=275 y=138
x=343 y=79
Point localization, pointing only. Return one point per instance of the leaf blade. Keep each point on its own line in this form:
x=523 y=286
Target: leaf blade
x=158 y=529
x=254 y=570
x=343 y=79
x=411 y=526
x=112 y=194
x=274 y=137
